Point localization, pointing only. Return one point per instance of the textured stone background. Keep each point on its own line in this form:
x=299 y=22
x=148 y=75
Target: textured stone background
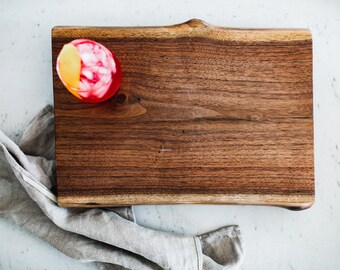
x=275 y=238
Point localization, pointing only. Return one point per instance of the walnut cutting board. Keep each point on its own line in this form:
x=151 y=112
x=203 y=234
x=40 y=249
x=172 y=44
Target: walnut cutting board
x=204 y=115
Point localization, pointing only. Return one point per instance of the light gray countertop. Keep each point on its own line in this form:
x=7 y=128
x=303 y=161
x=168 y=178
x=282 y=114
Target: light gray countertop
x=275 y=238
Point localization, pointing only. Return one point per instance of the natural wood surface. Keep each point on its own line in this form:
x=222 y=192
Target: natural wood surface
x=204 y=115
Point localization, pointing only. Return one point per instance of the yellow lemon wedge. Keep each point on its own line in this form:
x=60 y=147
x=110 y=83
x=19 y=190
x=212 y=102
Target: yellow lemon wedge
x=69 y=67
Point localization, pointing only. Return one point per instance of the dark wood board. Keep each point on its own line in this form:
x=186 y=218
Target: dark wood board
x=204 y=115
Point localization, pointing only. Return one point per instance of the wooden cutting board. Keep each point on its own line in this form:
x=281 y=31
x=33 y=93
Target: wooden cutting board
x=204 y=115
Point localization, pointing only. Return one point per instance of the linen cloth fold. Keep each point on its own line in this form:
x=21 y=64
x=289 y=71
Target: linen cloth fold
x=108 y=236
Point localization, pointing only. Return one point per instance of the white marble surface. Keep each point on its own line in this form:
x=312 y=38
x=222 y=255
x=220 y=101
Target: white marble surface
x=275 y=238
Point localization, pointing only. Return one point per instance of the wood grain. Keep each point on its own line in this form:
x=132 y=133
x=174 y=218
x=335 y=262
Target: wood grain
x=204 y=115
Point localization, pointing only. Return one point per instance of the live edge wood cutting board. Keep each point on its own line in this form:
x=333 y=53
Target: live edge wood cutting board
x=204 y=115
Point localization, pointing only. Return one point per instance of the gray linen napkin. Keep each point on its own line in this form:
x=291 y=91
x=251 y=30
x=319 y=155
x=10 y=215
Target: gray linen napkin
x=107 y=236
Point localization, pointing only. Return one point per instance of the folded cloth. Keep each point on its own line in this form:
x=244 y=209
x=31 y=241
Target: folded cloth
x=108 y=236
